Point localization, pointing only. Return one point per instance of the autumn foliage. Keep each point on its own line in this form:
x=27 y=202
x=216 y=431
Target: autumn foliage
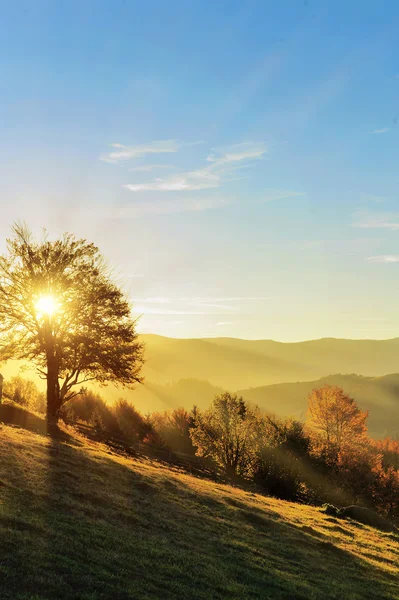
x=336 y=419
x=328 y=458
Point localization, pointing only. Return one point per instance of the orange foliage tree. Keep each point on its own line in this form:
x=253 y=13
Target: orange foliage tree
x=336 y=419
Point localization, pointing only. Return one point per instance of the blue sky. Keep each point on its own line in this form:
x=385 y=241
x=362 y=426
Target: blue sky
x=236 y=162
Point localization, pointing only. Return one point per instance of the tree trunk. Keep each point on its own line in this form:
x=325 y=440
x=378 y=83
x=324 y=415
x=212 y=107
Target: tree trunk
x=53 y=396
x=53 y=391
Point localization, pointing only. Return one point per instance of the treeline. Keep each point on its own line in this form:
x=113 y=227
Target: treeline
x=327 y=458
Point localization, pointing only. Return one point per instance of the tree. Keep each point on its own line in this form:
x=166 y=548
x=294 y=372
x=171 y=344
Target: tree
x=60 y=309
x=336 y=418
x=227 y=432
x=24 y=392
x=282 y=465
x=173 y=427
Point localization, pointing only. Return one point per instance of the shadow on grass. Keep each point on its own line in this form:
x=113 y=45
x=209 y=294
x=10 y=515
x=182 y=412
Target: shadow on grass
x=90 y=528
x=13 y=414
x=17 y=416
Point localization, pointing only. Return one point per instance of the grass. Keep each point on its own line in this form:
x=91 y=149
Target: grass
x=79 y=522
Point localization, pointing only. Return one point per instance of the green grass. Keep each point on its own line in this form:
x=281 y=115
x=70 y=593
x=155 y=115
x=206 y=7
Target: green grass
x=78 y=522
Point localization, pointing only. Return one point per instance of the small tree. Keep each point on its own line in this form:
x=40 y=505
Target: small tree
x=282 y=465
x=228 y=433
x=335 y=418
x=173 y=427
x=24 y=392
x=60 y=309
x=131 y=423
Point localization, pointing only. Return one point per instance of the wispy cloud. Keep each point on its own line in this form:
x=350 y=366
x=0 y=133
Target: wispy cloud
x=201 y=299
x=281 y=195
x=222 y=323
x=382 y=130
x=155 y=300
x=238 y=153
x=122 y=152
x=207 y=305
x=190 y=181
x=377 y=221
x=162 y=207
x=384 y=258
x=226 y=298
x=372 y=319
x=223 y=163
x=149 y=310
x=147 y=168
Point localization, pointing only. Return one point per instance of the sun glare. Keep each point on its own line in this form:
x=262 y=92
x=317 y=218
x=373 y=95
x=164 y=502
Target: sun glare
x=46 y=305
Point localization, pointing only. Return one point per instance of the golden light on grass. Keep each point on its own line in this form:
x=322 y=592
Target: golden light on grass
x=46 y=305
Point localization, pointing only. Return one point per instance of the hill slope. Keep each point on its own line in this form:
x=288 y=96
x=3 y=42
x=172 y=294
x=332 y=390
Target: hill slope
x=232 y=363
x=77 y=522
x=379 y=395
x=192 y=371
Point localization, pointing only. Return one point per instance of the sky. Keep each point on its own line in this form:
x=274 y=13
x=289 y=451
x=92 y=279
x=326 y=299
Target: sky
x=235 y=162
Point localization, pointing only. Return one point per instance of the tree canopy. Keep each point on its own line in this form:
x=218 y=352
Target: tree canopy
x=60 y=309
x=227 y=432
x=336 y=417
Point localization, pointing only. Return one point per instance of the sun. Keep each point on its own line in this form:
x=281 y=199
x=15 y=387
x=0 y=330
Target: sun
x=46 y=305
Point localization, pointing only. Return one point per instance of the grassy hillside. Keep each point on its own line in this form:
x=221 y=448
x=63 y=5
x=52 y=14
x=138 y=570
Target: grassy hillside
x=78 y=522
x=380 y=395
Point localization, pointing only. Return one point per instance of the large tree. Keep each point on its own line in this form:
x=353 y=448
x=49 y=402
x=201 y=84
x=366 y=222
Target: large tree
x=60 y=309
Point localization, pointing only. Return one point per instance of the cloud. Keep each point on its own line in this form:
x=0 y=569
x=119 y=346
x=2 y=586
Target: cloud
x=148 y=310
x=378 y=221
x=221 y=323
x=214 y=305
x=225 y=298
x=202 y=299
x=207 y=305
x=281 y=195
x=383 y=130
x=237 y=153
x=148 y=168
x=223 y=164
x=156 y=300
x=122 y=153
x=161 y=207
x=372 y=319
x=384 y=258
x=190 y=181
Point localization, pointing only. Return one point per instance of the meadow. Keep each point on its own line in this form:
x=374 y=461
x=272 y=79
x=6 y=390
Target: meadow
x=78 y=521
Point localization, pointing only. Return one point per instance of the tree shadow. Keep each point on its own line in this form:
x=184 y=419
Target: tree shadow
x=17 y=416
x=91 y=527
x=13 y=414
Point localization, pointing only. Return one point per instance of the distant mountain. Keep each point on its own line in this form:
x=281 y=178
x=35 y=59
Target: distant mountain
x=379 y=395
x=151 y=396
x=233 y=363
x=277 y=376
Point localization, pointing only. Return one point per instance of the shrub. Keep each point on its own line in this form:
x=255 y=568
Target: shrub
x=283 y=459
x=173 y=428
x=89 y=407
x=25 y=393
x=131 y=423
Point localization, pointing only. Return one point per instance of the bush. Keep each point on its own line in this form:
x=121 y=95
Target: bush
x=89 y=407
x=173 y=429
x=283 y=459
x=131 y=423
x=25 y=393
